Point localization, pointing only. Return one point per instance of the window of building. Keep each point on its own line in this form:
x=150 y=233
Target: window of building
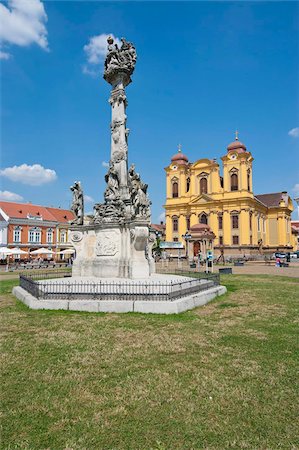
x=258 y=223
x=248 y=180
x=188 y=223
x=235 y=240
x=203 y=218
x=175 y=224
x=175 y=239
x=35 y=235
x=250 y=221
x=50 y=236
x=220 y=240
x=62 y=236
x=235 y=221
x=234 y=182
x=17 y=235
x=188 y=184
x=203 y=186
x=175 y=190
x=220 y=222
x=264 y=225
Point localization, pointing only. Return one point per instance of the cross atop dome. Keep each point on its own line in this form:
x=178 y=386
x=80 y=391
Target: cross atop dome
x=237 y=145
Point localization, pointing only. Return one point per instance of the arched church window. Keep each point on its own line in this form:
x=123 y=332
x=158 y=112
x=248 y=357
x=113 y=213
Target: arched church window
x=203 y=218
x=175 y=190
x=248 y=180
x=203 y=186
x=234 y=182
x=220 y=222
x=235 y=221
x=188 y=222
x=188 y=184
x=175 y=223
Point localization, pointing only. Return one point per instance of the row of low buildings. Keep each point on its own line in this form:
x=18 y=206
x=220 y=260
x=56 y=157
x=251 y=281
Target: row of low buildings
x=221 y=201
x=29 y=227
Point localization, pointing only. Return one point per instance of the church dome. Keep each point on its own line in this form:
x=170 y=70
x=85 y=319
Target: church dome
x=237 y=145
x=179 y=157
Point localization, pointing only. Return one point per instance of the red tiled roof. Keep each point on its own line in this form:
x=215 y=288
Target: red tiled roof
x=61 y=215
x=158 y=226
x=270 y=199
x=22 y=210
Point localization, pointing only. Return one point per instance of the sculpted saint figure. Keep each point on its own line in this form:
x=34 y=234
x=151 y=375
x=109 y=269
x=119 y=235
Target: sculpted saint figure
x=77 y=203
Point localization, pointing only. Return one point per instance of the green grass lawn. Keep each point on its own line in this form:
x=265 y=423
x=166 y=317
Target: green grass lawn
x=223 y=376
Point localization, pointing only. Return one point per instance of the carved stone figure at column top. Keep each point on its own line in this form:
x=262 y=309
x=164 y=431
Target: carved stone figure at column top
x=77 y=203
x=119 y=60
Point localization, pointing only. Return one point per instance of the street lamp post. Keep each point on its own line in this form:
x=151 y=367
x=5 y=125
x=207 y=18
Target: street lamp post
x=187 y=236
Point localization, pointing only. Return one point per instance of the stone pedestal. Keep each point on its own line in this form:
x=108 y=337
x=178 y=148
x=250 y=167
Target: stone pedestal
x=111 y=250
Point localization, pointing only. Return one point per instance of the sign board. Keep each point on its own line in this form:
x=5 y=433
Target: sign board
x=166 y=244
x=210 y=255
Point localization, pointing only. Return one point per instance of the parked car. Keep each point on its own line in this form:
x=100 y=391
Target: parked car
x=279 y=255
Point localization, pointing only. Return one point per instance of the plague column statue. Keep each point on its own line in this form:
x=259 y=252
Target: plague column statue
x=116 y=240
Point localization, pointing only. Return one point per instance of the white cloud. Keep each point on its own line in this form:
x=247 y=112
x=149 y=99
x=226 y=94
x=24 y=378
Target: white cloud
x=161 y=217
x=295 y=189
x=88 y=199
x=91 y=72
x=294 y=132
x=105 y=164
x=22 y=23
x=34 y=175
x=4 y=55
x=10 y=196
x=95 y=51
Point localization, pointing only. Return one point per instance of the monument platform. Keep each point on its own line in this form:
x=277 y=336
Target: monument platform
x=159 y=294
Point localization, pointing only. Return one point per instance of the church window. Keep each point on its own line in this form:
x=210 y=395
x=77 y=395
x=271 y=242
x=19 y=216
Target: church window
x=220 y=222
x=188 y=223
x=175 y=224
x=175 y=190
x=248 y=180
x=250 y=221
x=188 y=184
x=235 y=221
x=234 y=182
x=203 y=186
x=221 y=182
x=203 y=218
x=220 y=240
x=235 y=240
x=175 y=239
x=258 y=223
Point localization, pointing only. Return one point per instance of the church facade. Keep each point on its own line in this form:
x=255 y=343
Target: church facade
x=243 y=223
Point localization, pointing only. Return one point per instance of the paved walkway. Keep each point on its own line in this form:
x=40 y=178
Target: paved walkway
x=251 y=269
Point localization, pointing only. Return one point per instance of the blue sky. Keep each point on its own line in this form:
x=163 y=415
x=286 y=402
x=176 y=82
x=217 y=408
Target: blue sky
x=203 y=70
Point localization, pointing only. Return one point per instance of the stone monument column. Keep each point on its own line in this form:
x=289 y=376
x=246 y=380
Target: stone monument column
x=116 y=241
x=119 y=66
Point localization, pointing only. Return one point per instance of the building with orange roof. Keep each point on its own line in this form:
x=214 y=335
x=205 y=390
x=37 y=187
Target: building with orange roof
x=29 y=227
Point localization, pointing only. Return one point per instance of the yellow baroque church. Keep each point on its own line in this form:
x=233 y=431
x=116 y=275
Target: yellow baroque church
x=243 y=223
